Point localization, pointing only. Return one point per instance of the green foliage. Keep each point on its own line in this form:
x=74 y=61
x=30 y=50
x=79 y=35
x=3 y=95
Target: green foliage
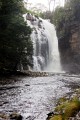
x=47 y=15
x=66 y=19
x=75 y=7
x=57 y=117
x=58 y=16
x=14 y=36
x=67 y=15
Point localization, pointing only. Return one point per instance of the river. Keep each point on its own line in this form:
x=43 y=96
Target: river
x=35 y=97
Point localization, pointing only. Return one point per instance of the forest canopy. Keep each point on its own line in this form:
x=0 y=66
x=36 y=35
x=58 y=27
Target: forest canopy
x=67 y=14
x=15 y=44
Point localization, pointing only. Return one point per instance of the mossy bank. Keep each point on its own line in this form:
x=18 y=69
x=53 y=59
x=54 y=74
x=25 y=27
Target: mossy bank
x=68 y=108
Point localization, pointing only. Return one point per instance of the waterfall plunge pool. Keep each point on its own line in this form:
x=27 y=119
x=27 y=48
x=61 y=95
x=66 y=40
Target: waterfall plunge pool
x=34 y=97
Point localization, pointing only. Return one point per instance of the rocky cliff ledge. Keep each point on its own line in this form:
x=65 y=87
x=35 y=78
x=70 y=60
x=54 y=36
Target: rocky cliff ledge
x=69 y=46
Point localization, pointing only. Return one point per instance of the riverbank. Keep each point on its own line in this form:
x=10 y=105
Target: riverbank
x=8 y=73
x=68 y=107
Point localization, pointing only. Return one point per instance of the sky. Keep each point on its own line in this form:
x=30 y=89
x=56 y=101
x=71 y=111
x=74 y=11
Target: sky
x=45 y=3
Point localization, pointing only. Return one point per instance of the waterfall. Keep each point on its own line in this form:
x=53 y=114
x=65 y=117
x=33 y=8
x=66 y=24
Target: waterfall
x=54 y=56
x=45 y=44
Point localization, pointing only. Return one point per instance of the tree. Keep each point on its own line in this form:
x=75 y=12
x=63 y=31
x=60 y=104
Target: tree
x=74 y=5
x=49 y=3
x=65 y=18
x=67 y=14
x=14 y=36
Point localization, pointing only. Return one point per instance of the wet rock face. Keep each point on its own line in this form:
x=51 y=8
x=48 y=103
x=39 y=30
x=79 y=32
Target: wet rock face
x=40 y=44
x=69 y=46
x=41 y=49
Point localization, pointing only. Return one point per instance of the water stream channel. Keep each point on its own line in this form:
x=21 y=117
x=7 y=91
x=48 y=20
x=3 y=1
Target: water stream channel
x=35 y=97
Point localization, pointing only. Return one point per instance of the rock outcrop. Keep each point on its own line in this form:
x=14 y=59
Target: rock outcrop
x=13 y=116
x=69 y=46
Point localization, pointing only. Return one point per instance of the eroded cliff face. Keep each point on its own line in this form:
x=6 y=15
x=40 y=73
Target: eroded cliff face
x=69 y=46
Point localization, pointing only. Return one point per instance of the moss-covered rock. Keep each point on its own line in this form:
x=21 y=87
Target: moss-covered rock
x=57 y=117
x=67 y=108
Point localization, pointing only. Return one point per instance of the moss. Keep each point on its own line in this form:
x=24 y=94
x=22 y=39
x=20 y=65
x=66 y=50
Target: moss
x=71 y=108
x=62 y=99
x=56 y=117
x=67 y=109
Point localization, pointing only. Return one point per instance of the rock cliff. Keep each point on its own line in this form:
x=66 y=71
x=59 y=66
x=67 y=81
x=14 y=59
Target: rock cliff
x=69 y=46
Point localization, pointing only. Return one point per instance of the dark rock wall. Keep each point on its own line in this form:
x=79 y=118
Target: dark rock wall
x=69 y=47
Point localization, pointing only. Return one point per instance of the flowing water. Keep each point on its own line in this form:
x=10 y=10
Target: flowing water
x=45 y=44
x=54 y=56
x=33 y=97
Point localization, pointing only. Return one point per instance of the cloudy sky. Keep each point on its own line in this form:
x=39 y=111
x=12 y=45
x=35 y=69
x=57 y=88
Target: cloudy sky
x=45 y=2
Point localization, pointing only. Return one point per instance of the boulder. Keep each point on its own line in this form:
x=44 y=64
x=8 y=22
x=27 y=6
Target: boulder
x=15 y=116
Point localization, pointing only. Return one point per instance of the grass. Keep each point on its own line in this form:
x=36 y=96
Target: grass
x=66 y=109
x=56 y=117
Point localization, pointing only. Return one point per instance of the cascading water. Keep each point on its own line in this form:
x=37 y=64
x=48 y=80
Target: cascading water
x=46 y=54
x=54 y=56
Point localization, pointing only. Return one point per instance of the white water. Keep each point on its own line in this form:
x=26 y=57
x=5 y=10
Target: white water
x=34 y=97
x=45 y=43
x=54 y=57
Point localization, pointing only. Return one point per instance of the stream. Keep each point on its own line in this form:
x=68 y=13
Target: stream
x=35 y=97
